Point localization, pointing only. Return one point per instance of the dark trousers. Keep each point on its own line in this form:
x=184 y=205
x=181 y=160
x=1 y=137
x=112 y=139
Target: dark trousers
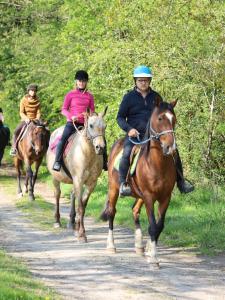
x=125 y=163
x=125 y=160
x=17 y=133
x=67 y=132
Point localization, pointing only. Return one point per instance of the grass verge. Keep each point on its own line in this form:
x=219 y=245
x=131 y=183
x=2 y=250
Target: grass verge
x=16 y=282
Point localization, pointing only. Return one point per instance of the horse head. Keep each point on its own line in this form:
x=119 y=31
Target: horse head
x=40 y=135
x=161 y=126
x=95 y=130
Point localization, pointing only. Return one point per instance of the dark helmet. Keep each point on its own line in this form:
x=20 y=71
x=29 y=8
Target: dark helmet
x=81 y=75
x=32 y=87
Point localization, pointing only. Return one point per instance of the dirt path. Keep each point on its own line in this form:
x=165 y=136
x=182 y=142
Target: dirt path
x=79 y=271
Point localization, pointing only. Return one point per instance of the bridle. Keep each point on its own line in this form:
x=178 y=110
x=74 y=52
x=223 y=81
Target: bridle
x=155 y=136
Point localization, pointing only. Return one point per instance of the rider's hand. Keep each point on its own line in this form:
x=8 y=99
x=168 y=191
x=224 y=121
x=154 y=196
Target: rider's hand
x=133 y=133
x=74 y=118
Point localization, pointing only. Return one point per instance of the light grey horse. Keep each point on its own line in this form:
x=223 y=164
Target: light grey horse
x=84 y=161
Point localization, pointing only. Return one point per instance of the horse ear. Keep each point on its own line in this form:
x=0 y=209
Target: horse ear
x=173 y=103
x=158 y=100
x=88 y=111
x=104 y=112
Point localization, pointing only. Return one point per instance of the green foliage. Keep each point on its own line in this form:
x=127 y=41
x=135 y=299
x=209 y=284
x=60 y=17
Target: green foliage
x=181 y=40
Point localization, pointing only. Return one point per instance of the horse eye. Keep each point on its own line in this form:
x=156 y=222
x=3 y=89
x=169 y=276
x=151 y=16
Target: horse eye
x=91 y=126
x=160 y=119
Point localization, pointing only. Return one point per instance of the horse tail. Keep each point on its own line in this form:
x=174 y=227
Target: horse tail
x=105 y=214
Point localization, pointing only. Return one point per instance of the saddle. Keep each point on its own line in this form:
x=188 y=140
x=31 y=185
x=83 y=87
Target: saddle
x=134 y=156
x=54 y=143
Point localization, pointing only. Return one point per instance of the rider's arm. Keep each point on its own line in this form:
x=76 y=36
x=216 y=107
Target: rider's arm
x=23 y=111
x=92 y=103
x=66 y=106
x=38 y=115
x=123 y=114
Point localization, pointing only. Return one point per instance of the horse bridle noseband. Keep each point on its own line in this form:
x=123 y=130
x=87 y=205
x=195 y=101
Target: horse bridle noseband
x=88 y=135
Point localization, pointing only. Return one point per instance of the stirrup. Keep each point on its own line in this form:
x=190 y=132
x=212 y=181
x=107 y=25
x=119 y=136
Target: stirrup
x=13 y=152
x=124 y=190
x=57 y=166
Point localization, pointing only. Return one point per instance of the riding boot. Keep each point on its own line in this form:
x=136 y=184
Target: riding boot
x=13 y=150
x=183 y=185
x=58 y=158
x=125 y=189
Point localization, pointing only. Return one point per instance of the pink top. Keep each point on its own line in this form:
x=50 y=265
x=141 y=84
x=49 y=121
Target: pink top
x=76 y=103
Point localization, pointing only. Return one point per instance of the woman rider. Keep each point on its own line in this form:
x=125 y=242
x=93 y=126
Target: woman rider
x=74 y=106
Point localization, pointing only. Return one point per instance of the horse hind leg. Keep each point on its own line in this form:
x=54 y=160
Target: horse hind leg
x=72 y=224
x=139 y=248
x=57 y=193
x=18 y=164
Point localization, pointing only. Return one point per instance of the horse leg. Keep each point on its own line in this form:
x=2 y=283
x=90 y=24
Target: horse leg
x=72 y=223
x=37 y=165
x=161 y=217
x=152 y=230
x=139 y=248
x=17 y=164
x=1 y=155
x=30 y=180
x=78 y=186
x=113 y=194
x=25 y=189
x=57 y=193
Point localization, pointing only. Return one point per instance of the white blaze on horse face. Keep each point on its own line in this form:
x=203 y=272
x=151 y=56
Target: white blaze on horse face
x=170 y=117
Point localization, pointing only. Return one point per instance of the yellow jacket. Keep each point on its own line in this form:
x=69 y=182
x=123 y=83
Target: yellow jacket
x=30 y=108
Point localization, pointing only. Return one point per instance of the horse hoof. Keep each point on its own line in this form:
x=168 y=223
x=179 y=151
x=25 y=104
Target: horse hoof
x=154 y=263
x=20 y=195
x=82 y=240
x=31 y=198
x=57 y=225
x=139 y=251
x=70 y=226
x=111 y=250
x=25 y=190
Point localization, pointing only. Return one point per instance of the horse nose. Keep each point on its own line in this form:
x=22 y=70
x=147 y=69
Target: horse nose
x=98 y=149
x=167 y=150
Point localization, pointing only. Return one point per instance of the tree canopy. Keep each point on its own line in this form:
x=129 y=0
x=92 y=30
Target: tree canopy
x=183 y=41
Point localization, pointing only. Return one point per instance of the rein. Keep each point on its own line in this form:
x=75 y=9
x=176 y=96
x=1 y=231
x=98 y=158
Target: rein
x=156 y=136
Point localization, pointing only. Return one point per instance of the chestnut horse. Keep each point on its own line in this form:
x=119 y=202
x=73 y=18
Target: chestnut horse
x=82 y=165
x=31 y=148
x=154 y=178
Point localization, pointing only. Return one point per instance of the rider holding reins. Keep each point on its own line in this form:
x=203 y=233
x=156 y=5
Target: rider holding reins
x=75 y=104
x=133 y=115
x=29 y=111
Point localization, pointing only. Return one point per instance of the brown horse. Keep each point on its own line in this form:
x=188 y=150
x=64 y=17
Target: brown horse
x=82 y=166
x=31 y=148
x=154 y=178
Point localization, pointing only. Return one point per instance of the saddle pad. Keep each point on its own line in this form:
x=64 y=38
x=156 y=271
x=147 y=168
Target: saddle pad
x=54 y=143
x=133 y=164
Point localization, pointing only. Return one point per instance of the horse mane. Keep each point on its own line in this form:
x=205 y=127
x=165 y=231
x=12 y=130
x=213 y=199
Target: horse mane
x=161 y=108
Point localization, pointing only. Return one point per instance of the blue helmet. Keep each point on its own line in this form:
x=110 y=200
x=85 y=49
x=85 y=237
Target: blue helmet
x=142 y=71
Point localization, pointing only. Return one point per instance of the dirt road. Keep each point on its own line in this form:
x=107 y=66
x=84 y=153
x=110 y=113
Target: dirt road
x=87 y=271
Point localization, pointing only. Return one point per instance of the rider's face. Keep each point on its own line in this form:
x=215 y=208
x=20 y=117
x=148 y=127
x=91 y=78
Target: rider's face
x=143 y=83
x=81 y=84
x=31 y=93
